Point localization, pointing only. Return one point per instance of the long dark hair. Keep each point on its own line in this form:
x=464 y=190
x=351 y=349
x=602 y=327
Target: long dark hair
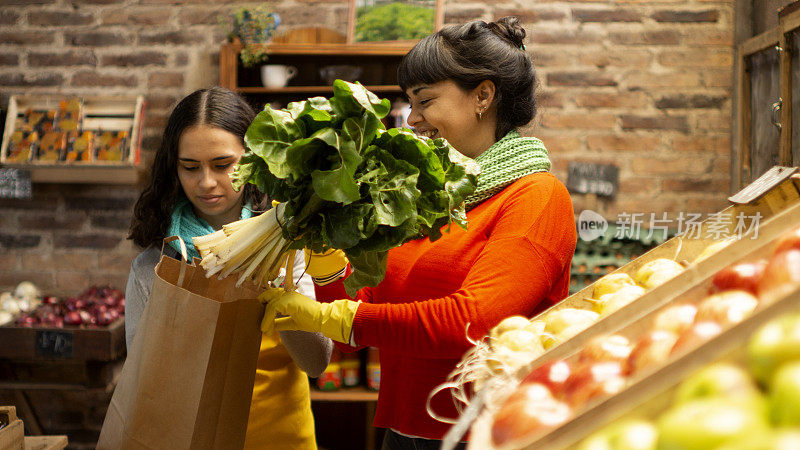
x=471 y=53
x=216 y=106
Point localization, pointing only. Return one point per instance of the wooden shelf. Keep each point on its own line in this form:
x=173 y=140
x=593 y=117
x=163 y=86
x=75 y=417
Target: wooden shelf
x=81 y=173
x=355 y=394
x=309 y=89
x=366 y=49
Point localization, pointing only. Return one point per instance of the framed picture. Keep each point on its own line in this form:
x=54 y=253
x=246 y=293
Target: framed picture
x=393 y=20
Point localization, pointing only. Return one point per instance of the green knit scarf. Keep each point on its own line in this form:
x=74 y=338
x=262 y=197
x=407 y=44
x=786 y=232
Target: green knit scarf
x=506 y=161
x=186 y=224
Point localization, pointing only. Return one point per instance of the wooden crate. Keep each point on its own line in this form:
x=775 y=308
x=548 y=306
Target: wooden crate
x=11 y=429
x=117 y=113
x=45 y=442
x=644 y=386
x=77 y=344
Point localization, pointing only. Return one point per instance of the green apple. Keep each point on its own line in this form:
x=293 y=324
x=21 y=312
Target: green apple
x=708 y=423
x=509 y=323
x=611 y=283
x=772 y=345
x=656 y=272
x=535 y=326
x=558 y=321
x=632 y=434
x=717 y=380
x=608 y=303
x=520 y=340
x=784 y=396
x=768 y=440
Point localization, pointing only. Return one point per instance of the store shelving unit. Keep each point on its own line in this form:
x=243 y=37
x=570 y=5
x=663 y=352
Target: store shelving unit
x=378 y=64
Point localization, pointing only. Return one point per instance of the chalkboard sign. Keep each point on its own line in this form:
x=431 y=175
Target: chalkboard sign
x=54 y=343
x=15 y=183
x=589 y=178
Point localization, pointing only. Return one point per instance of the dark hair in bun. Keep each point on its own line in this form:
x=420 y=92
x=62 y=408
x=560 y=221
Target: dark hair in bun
x=471 y=53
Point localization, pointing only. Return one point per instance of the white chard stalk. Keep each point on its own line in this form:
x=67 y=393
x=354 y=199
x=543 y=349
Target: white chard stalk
x=253 y=246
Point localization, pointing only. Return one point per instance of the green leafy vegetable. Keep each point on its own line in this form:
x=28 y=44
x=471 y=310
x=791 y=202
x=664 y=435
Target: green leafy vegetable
x=349 y=183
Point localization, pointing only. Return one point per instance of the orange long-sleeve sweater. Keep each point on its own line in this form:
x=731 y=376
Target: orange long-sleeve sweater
x=514 y=258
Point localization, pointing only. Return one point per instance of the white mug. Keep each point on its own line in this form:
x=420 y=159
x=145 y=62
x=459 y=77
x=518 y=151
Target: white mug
x=277 y=75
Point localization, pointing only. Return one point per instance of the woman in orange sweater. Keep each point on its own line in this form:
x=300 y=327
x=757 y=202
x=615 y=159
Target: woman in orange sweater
x=473 y=85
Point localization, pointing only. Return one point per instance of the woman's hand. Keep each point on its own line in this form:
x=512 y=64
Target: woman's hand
x=334 y=320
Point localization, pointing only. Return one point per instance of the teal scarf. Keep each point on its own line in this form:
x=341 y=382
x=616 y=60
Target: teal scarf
x=186 y=224
x=506 y=161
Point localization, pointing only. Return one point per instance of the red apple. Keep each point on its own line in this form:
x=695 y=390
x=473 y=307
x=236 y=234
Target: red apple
x=699 y=333
x=530 y=409
x=676 y=318
x=651 y=350
x=552 y=374
x=744 y=276
x=789 y=241
x=615 y=348
x=594 y=380
x=727 y=307
x=781 y=275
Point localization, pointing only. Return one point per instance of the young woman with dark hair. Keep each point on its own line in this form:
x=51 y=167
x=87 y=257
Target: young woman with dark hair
x=190 y=194
x=473 y=85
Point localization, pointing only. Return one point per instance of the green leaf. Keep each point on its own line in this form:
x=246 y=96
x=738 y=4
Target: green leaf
x=405 y=145
x=352 y=99
x=345 y=227
x=394 y=188
x=305 y=155
x=270 y=134
x=369 y=268
x=339 y=184
x=316 y=113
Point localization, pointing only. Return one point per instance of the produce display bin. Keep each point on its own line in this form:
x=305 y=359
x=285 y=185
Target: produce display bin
x=98 y=113
x=634 y=320
x=68 y=343
x=776 y=192
x=61 y=379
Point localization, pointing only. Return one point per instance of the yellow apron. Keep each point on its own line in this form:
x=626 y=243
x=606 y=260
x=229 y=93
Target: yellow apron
x=280 y=412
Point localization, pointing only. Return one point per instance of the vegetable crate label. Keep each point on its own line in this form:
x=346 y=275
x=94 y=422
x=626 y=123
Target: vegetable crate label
x=56 y=344
x=15 y=183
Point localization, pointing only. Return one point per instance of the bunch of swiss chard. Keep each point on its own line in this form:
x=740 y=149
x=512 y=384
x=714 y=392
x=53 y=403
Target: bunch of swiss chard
x=344 y=182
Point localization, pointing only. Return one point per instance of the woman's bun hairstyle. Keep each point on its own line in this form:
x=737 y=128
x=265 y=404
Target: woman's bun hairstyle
x=473 y=52
x=509 y=29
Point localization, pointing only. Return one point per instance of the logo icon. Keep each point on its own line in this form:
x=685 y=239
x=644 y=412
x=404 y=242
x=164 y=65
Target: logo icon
x=591 y=225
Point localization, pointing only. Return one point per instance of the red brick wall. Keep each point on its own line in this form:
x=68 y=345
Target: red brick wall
x=643 y=84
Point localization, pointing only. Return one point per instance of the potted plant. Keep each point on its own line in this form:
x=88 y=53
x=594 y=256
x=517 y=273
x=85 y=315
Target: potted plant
x=253 y=26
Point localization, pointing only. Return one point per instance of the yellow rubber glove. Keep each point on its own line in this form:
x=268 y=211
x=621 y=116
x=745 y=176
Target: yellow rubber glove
x=334 y=320
x=325 y=268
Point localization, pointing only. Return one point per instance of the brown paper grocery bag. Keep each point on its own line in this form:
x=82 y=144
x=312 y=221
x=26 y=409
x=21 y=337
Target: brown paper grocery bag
x=187 y=381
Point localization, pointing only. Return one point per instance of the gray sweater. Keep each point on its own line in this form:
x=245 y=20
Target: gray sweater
x=310 y=351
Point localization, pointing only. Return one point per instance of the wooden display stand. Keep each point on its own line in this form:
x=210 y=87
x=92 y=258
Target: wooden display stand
x=650 y=391
x=122 y=113
x=636 y=318
x=772 y=197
